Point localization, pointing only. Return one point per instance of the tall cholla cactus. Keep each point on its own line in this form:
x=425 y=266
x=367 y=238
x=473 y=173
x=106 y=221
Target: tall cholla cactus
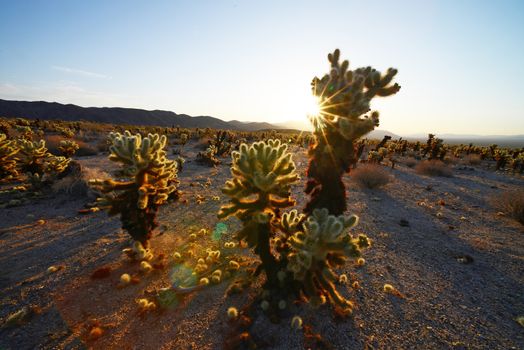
x=323 y=245
x=152 y=180
x=8 y=150
x=344 y=97
x=262 y=176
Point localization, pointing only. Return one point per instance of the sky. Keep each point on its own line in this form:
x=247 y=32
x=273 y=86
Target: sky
x=461 y=63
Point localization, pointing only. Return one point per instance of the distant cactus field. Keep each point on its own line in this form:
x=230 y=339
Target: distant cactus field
x=153 y=237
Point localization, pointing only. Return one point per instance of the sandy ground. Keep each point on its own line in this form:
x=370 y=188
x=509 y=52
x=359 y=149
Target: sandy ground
x=458 y=266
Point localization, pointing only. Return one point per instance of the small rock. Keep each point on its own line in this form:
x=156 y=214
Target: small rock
x=404 y=223
x=464 y=259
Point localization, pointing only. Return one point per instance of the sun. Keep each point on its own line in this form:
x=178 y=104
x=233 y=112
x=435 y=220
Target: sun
x=312 y=106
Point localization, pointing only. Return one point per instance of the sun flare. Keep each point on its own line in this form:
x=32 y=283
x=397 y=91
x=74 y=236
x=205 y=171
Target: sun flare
x=312 y=106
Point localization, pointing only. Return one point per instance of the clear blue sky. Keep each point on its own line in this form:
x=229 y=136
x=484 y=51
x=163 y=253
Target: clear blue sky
x=461 y=63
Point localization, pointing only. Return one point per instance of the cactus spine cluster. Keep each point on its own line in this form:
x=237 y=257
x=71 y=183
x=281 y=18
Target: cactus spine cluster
x=32 y=156
x=8 y=151
x=262 y=176
x=151 y=179
x=323 y=245
x=344 y=96
x=68 y=147
x=40 y=165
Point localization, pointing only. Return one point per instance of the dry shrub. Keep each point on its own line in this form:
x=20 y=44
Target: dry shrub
x=76 y=183
x=203 y=143
x=102 y=145
x=473 y=159
x=410 y=162
x=370 y=176
x=433 y=168
x=510 y=203
x=451 y=160
x=52 y=142
x=85 y=149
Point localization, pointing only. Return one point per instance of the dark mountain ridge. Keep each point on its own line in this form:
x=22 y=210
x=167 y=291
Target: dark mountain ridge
x=118 y=115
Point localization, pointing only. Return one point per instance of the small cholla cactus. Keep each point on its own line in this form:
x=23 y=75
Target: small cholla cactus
x=65 y=131
x=324 y=244
x=501 y=157
x=32 y=156
x=40 y=166
x=260 y=188
x=180 y=163
x=377 y=157
x=68 y=148
x=209 y=156
x=344 y=97
x=152 y=180
x=8 y=151
x=223 y=142
x=383 y=142
x=517 y=163
x=25 y=132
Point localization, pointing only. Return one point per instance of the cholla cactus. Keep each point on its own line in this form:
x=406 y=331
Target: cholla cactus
x=25 y=132
x=223 y=142
x=65 y=131
x=344 y=97
x=323 y=245
x=68 y=147
x=209 y=157
x=32 y=156
x=152 y=180
x=40 y=166
x=517 y=162
x=501 y=157
x=8 y=150
x=261 y=185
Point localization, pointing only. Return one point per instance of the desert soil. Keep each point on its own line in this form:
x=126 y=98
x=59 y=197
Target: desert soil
x=458 y=265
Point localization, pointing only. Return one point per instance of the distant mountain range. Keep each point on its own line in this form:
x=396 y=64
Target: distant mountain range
x=515 y=141
x=117 y=115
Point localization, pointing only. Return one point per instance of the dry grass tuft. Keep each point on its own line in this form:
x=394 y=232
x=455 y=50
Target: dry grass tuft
x=433 y=168
x=510 y=203
x=370 y=176
x=52 y=142
x=410 y=162
x=473 y=159
x=76 y=183
x=85 y=149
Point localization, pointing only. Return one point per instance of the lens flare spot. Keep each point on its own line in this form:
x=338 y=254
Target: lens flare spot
x=219 y=231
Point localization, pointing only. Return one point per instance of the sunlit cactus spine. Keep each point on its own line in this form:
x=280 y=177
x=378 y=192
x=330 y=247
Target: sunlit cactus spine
x=151 y=179
x=517 y=162
x=32 y=156
x=68 y=147
x=323 y=245
x=209 y=156
x=223 y=142
x=501 y=157
x=344 y=96
x=8 y=151
x=52 y=167
x=383 y=142
x=261 y=186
